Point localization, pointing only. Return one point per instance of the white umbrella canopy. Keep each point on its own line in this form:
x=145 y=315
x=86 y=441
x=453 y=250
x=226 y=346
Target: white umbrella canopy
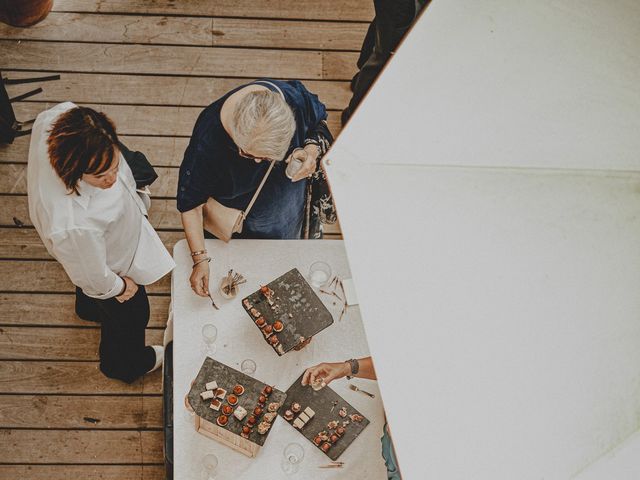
x=489 y=195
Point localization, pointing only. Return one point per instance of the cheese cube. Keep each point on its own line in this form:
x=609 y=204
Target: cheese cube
x=309 y=412
x=212 y=386
x=215 y=404
x=240 y=413
x=206 y=394
x=303 y=416
x=298 y=423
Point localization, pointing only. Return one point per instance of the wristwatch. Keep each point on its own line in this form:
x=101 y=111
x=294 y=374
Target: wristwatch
x=355 y=368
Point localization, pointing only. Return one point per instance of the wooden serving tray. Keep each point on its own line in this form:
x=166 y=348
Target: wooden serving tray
x=296 y=305
x=227 y=378
x=321 y=402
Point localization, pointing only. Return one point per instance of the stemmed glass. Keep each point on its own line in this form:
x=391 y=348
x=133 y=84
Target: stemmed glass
x=291 y=458
x=209 y=467
x=209 y=335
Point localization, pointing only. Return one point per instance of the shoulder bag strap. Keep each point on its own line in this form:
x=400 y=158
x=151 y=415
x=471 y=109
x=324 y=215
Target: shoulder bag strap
x=255 y=195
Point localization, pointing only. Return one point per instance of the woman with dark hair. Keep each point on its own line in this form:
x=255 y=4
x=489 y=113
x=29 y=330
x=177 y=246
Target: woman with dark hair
x=84 y=204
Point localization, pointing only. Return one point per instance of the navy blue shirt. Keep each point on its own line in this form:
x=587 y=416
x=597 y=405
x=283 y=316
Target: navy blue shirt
x=212 y=167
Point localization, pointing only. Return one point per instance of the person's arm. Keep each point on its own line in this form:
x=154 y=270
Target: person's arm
x=333 y=371
x=193 y=229
x=83 y=255
x=194 y=189
x=314 y=115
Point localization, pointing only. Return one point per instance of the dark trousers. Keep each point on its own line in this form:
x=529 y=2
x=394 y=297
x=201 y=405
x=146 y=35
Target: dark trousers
x=393 y=19
x=123 y=354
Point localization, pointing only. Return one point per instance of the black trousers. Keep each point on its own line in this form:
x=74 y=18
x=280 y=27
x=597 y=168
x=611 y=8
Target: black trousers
x=393 y=19
x=123 y=353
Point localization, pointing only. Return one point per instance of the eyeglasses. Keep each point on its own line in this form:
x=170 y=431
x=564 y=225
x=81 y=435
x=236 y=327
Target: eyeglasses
x=244 y=154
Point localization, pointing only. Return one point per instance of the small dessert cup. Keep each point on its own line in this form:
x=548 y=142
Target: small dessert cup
x=225 y=291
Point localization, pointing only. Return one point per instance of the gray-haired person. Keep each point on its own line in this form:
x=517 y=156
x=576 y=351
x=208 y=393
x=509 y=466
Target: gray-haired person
x=231 y=148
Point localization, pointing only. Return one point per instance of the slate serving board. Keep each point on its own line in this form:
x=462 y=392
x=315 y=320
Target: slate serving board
x=321 y=402
x=228 y=378
x=296 y=297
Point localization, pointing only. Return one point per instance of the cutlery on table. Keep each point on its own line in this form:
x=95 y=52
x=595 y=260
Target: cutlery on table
x=212 y=302
x=356 y=389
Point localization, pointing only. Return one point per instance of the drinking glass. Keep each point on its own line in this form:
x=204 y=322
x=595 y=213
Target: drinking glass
x=298 y=157
x=319 y=274
x=318 y=384
x=209 y=335
x=209 y=467
x=248 y=367
x=291 y=458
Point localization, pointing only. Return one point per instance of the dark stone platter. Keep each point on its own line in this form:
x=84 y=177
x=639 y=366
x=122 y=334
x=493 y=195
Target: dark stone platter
x=296 y=305
x=321 y=402
x=227 y=378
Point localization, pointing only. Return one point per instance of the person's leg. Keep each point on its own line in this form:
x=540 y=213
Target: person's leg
x=86 y=307
x=123 y=354
x=393 y=19
x=366 y=49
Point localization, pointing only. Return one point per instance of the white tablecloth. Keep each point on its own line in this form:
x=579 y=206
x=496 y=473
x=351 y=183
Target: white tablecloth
x=261 y=261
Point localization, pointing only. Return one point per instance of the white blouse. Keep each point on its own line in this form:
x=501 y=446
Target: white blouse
x=99 y=235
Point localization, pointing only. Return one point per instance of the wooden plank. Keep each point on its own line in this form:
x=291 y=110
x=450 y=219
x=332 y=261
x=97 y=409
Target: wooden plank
x=161 y=151
x=80 y=446
x=81 y=412
x=157 y=90
x=69 y=378
x=84 y=472
x=58 y=310
x=49 y=276
x=25 y=243
x=345 y=10
x=38 y=343
x=162 y=215
x=154 y=59
x=198 y=31
x=147 y=120
x=132 y=120
x=13 y=179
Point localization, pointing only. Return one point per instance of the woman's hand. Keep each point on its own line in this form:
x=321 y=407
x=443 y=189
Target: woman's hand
x=130 y=289
x=309 y=165
x=327 y=372
x=199 y=279
x=193 y=229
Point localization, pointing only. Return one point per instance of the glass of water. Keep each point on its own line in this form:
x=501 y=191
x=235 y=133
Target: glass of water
x=248 y=367
x=209 y=335
x=319 y=274
x=209 y=467
x=291 y=458
x=298 y=157
x=318 y=384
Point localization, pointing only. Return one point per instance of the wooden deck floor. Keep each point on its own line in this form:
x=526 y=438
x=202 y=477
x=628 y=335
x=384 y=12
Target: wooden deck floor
x=151 y=65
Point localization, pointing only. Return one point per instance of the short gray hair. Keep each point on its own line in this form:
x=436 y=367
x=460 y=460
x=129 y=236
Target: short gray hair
x=263 y=124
